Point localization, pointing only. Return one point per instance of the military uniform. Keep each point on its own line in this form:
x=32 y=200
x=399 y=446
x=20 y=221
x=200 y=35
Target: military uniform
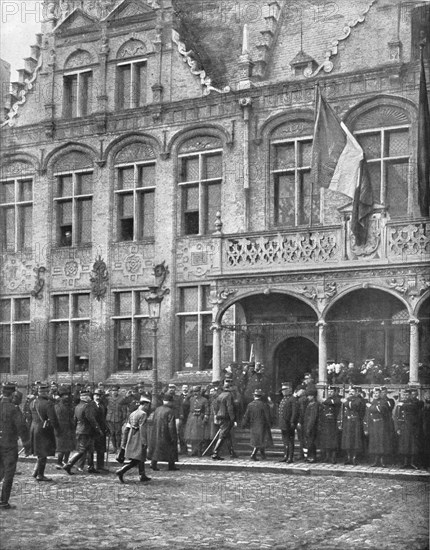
x=114 y=419
x=377 y=423
x=100 y=439
x=65 y=434
x=257 y=418
x=164 y=438
x=328 y=427
x=12 y=426
x=225 y=416
x=310 y=425
x=288 y=415
x=44 y=423
x=197 y=426
x=407 y=421
x=352 y=414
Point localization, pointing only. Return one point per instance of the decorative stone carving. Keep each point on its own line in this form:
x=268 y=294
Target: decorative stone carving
x=408 y=240
x=132 y=48
x=80 y=58
x=99 y=278
x=131 y=263
x=319 y=293
x=297 y=248
x=200 y=143
x=15 y=274
x=411 y=286
x=372 y=243
x=76 y=160
x=68 y=267
x=218 y=297
x=205 y=81
x=197 y=259
x=37 y=291
x=135 y=152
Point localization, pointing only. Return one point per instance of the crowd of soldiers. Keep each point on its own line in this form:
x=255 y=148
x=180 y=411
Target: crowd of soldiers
x=76 y=423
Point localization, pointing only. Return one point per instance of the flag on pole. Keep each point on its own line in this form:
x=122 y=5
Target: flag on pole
x=423 y=154
x=339 y=164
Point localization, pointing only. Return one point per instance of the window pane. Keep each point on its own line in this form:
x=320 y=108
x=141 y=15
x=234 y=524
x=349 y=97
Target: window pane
x=5 y=309
x=8 y=224
x=284 y=200
x=213 y=205
x=124 y=333
x=65 y=212
x=285 y=156
x=25 y=190
x=146 y=176
x=126 y=178
x=305 y=200
x=397 y=143
x=189 y=343
x=81 y=338
x=375 y=180
x=124 y=359
x=145 y=339
x=146 y=214
x=190 y=169
x=140 y=303
x=61 y=307
x=5 y=340
x=7 y=194
x=207 y=343
x=206 y=292
x=191 y=198
x=397 y=188
x=22 y=345
x=22 y=309
x=139 y=85
x=65 y=186
x=371 y=144
x=81 y=305
x=305 y=153
x=126 y=205
x=85 y=184
x=212 y=166
x=86 y=93
x=189 y=299
x=123 y=303
x=124 y=86
x=70 y=95
x=84 y=212
x=62 y=338
x=26 y=226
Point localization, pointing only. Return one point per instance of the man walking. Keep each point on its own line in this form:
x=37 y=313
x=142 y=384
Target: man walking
x=225 y=418
x=257 y=418
x=100 y=440
x=164 y=438
x=12 y=426
x=42 y=434
x=135 y=440
x=65 y=434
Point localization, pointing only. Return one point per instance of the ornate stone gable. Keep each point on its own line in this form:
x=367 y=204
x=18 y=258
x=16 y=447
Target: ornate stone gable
x=76 y=20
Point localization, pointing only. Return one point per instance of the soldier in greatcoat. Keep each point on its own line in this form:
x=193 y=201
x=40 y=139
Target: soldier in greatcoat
x=164 y=438
x=65 y=435
x=328 y=427
x=288 y=415
x=377 y=425
x=407 y=421
x=257 y=418
x=12 y=426
x=352 y=414
x=135 y=440
x=115 y=417
x=225 y=418
x=42 y=435
x=197 y=426
x=300 y=393
x=310 y=425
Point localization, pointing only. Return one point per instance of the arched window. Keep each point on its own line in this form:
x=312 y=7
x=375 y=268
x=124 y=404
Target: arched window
x=131 y=75
x=384 y=134
x=73 y=198
x=200 y=177
x=16 y=206
x=294 y=199
x=135 y=192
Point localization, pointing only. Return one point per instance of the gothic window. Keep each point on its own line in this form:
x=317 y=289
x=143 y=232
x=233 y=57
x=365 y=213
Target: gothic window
x=14 y=335
x=195 y=318
x=77 y=93
x=133 y=342
x=71 y=328
x=135 y=195
x=384 y=135
x=296 y=201
x=200 y=178
x=131 y=84
x=73 y=200
x=16 y=213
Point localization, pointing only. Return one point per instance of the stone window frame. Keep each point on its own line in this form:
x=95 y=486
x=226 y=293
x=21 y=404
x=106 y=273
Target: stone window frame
x=72 y=320
x=138 y=193
x=295 y=169
x=205 y=227
x=83 y=101
x=202 y=315
x=75 y=198
x=136 y=66
x=18 y=206
x=139 y=358
x=13 y=323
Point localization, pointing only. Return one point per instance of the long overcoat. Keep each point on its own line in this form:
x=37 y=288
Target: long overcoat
x=288 y=414
x=407 y=420
x=42 y=440
x=65 y=434
x=135 y=448
x=352 y=429
x=327 y=424
x=377 y=422
x=310 y=424
x=257 y=418
x=197 y=427
x=163 y=440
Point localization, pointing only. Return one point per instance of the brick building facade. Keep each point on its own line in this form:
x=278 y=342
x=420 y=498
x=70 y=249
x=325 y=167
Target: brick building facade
x=144 y=132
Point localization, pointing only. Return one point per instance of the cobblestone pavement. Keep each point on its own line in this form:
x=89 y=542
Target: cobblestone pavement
x=193 y=509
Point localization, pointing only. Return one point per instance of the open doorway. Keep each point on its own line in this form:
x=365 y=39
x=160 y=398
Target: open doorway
x=293 y=358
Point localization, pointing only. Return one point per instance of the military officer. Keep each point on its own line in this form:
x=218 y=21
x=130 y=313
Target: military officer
x=407 y=421
x=197 y=426
x=225 y=418
x=115 y=417
x=100 y=440
x=310 y=425
x=352 y=414
x=288 y=417
x=377 y=425
x=257 y=418
x=44 y=423
x=164 y=438
x=328 y=427
x=12 y=426
x=65 y=435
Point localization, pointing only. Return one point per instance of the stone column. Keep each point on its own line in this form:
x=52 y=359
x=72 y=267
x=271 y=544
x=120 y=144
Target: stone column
x=322 y=352
x=216 y=351
x=414 y=348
